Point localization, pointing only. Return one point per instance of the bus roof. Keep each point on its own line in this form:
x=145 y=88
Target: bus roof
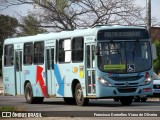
x=66 y=34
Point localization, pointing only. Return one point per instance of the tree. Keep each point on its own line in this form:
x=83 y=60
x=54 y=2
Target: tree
x=157 y=61
x=30 y=26
x=8 y=27
x=71 y=14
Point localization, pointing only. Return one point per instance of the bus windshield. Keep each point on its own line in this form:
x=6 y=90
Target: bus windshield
x=124 y=56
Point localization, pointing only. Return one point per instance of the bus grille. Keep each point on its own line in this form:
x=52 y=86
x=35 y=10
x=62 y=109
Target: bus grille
x=127 y=90
x=131 y=78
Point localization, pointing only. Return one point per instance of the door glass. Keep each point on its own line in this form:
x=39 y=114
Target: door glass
x=18 y=61
x=93 y=56
x=52 y=57
x=48 y=61
x=88 y=57
x=20 y=58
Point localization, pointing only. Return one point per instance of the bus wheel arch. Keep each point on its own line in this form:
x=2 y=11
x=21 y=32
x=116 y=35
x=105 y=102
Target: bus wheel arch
x=30 y=99
x=74 y=83
x=27 y=81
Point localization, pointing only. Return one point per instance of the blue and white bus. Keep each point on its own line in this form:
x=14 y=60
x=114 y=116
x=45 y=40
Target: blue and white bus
x=99 y=62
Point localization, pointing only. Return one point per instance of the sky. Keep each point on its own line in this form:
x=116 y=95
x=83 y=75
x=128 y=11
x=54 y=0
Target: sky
x=16 y=11
x=155 y=7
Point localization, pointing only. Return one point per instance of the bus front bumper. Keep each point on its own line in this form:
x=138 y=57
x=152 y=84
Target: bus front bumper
x=103 y=91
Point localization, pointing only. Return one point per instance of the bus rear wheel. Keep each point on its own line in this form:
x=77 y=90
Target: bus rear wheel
x=29 y=95
x=126 y=100
x=80 y=100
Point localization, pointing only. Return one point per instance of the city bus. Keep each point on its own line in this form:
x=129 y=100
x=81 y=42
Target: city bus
x=95 y=63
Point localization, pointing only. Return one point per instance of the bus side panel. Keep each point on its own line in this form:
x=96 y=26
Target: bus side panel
x=64 y=77
x=9 y=81
x=36 y=77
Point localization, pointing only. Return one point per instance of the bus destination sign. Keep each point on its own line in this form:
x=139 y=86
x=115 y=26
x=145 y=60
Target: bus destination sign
x=123 y=34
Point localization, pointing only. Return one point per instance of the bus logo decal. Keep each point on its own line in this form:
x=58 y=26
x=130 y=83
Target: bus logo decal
x=40 y=79
x=59 y=80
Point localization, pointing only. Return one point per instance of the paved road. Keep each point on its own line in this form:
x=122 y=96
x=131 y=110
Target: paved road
x=57 y=104
x=99 y=106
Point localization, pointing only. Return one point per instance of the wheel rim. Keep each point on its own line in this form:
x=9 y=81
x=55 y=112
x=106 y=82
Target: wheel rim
x=79 y=95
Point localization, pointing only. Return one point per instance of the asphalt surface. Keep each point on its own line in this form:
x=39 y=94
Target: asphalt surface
x=57 y=109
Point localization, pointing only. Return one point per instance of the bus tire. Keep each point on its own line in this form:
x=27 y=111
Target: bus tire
x=80 y=100
x=126 y=100
x=69 y=100
x=29 y=94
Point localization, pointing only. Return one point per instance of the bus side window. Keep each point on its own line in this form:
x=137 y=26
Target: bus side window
x=28 y=53
x=61 y=54
x=65 y=50
x=8 y=55
x=38 y=52
x=77 y=49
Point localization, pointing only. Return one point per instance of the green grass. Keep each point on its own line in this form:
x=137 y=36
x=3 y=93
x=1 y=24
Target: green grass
x=11 y=108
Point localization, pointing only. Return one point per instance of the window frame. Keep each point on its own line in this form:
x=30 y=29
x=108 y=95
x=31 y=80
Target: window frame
x=29 y=54
x=62 y=51
x=10 y=56
x=38 y=52
x=78 y=50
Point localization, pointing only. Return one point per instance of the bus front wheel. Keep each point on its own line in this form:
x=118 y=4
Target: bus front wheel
x=126 y=100
x=80 y=100
x=29 y=95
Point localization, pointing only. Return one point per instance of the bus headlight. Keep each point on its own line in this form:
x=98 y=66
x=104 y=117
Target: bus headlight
x=103 y=82
x=146 y=81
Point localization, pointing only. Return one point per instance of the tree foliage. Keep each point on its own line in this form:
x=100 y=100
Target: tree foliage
x=157 y=61
x=30 y=26
x=7 y=29
x=71 y=14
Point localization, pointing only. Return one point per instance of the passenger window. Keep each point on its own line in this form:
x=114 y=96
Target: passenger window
x=39 y=53
x=65 y=50
x=8 y=55
x=77 y=49
x=28 y=53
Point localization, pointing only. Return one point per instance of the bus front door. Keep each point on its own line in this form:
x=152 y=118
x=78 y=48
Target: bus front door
x=18 y=72
x=50 y=82
x=90 y=64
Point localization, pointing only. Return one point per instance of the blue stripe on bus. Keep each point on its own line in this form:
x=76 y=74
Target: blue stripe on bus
x=59 y=80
